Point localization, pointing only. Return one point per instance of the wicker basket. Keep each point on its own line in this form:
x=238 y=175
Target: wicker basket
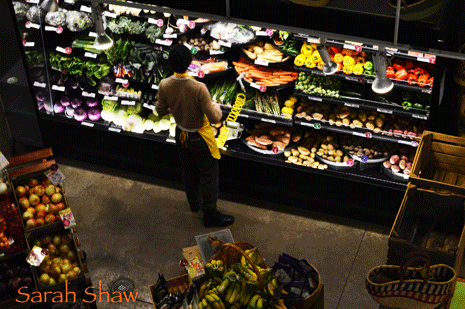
x=311 y=2
x=417 y=9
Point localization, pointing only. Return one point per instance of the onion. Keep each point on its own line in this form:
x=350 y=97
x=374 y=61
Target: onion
x=94 y=114
x=58 y=108
x=92 y=102
x=183 y=28
x=169 y=30
x=69 y=112
x=48 y=106
x=80 y=114
x=65 y=101
x=76 y=102
x=40 y=96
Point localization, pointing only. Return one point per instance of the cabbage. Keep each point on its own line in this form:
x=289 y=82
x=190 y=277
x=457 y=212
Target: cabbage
x=56 y=18
x=156 y=127
x=164 y=124
x=120 y=117
x=77 y=21
x=133 y=123
x=148 y=124
x=134 y=109
x=153 y=118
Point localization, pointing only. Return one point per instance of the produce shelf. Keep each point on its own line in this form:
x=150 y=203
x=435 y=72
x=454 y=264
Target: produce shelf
x=277 y=88
x=362 y=132
x=366 y=79
x=283 y=51
x=266 y=63
x=369 y=177
x=254 y=115
x=368 y=105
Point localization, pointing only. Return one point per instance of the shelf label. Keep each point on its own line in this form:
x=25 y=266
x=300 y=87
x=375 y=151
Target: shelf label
x=87 y=94
x=415 y=54
x=244 y=115
x=358 y=134
x=269 y=32
x=32 y=1
x=193 y=74
x=58 y=88
x=93 y=34
x=352 y=78
x=166 y=42
x=28 y=44
x=32 y=25
x=422 y=117
x=261 y=62
x=315 y=99
x=87 y=124
x=351 y=105
x=261 y=33
x=268 y=120
x=423 y=59
x=69 y=1
x=151 y=107
x=201 y=74
x=86 y=9
x=225 y=44
x=350 y=162
x=170 y=36
x=384 y=111
x=392 y=50
x=158 y=22
x=110 y=14
x=313 y=40
x=305 y=123
x=66 y=50
x=216 y=52
x=262 y=88
x=126 y=102
x=317 y=126
x=111 y=98
x=349 y=46
x=40 y=85
x=368 y=135
x=154 y=86
x=428 y=91
x=114 y=129
x=171 y=140
x=121 y=81
x=90 y=55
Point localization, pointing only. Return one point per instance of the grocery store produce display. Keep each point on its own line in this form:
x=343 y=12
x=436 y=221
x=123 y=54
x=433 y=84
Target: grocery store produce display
x=367 y=150
x=275 y=138
x=15 y=274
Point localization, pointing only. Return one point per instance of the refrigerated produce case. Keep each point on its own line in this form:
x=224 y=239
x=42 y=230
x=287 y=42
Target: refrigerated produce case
x=77 y=89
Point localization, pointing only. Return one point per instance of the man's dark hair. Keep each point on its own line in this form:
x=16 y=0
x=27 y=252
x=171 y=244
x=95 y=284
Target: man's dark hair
x=180 y=58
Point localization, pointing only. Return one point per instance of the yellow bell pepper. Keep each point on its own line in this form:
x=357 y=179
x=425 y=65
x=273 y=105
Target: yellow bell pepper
x=348 y=61
x=309 y=63
x=300 y=60
x=306 y=49
x=316 y=56
x=293 y=98
x=358 y=69
x=360 y=60
x=287 y=110
x=348 y=69
x=289 y=103
x=320 y=65
x=338 y=58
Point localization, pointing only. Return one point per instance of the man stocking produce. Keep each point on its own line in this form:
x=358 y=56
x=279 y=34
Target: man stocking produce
x=190 y=103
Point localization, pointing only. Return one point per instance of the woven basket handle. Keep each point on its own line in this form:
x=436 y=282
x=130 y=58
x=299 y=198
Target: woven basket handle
x=255 y=268
x=412 y=257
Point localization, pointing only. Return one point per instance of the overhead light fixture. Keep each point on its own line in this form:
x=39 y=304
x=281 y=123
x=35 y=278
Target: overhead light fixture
x=102 y=41
x=382 y=83
x=49 y=5
x=330 y=66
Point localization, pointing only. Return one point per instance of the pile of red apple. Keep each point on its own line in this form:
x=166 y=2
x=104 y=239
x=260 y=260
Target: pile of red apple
x=40 y=202
x=61 y=263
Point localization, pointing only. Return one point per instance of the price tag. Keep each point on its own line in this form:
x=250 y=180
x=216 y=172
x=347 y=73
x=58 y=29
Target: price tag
x=244 y=115
x=193 y=74
x=225 y=44
x=261 y=33
x=69 y=1
x=313 y=40
x=268 y=120
x=67 y=218
x=191 y=25
x=308 y=124
x=93 y=34
x=349 y=46
x=215 y=52
x=368 y=135
x=87 y=124
x=201 y=74
x=364 y=158
x=151 y=107
x=32 y=1
x=269 y=32
x=404 y=142
x=87 y=94
x=415 y=54
x=358 y=134
x=315 y=99
x=28 y=44
x=428 y=91
x=261 y=62
x=392 y=50
x=375 y=47
x=384 y=111
x=86 y=9
x=423 y=59
x=3 y=161
x=262 y=88
x=36 y=256
x=110 y=98
x=351 y=78
x=171 y=140
x=422 y=117
x=121 y=81
x=66 y=50
x=350 y=162
x=114 y=129
x=32 y=25
x=170 y=36
x=351 y=105
x=154 y=86
x=40 y=85
x=58 y=88
x=110 y=14
x=55 y=29
x=317 y=126
x=126 y=102
x=90 y=55
x=164 y=42
x=55 y=176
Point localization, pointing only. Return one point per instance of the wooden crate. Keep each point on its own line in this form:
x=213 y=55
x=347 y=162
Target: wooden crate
x=175 y=285
x=440 y=163
x=422 y=212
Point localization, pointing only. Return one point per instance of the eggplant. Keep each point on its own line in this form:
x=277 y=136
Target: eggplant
x=83 y=83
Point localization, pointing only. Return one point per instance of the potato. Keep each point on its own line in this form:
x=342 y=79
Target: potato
x=346 y=121
x=370 y=125
x=337 y=159
x=287 y=154
x=379 y=122
x=357 y=123
x=362 y=116
x=293 y=159
x=338 y=123
x=295 y=152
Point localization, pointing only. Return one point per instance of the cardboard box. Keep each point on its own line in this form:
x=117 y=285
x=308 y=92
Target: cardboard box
x=432 y=222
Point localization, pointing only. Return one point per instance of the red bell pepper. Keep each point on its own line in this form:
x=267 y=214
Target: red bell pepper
x=423 y=80
x=408 y=64
x=411 y=71
x=398 y=64
x=390 y=72
x=430 y=82
x=401 y=75
x=420 y=68
x=336 y=49
x=412 y=79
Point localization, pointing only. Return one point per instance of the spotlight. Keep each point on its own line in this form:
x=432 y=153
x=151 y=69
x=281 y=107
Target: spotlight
x=49 y=5
x=382 y=83
x=102 y=41
x=330 y=67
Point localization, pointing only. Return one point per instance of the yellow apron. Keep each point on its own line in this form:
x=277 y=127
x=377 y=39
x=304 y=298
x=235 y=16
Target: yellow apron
x=205 y=131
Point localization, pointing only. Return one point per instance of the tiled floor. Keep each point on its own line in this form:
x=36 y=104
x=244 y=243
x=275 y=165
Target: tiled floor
x=135 y=226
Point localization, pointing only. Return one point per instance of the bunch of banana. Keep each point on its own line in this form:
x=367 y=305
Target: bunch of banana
x=214 y=268
x=211 y=301
x=256 y=302
x=280 y=304
x=254 y=256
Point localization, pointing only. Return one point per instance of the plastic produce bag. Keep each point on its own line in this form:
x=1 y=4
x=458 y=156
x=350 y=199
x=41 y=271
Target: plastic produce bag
x=78 y=21
x=20 y=10
x=231 y=32
x=35 y=14
x=56 y=18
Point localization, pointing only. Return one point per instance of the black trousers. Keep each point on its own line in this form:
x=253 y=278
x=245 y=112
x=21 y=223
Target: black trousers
x=199 y=171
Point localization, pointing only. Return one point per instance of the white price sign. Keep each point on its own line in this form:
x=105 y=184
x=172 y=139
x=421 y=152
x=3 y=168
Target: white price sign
x=155 y=87
x=114 y=129
x=171 y=140
x=164 y=42
x=215 y=52
x=268 y=120
x=55 y=176
x=121 y=81
x=87 y=94
x=315 y=99
x=152 y=107
x=313 y=40
x=423 y=59
x=261 y=33
x=32 y=25
x=29 y=44
x=308 y=124
x=422 y=117
x=126 y=102
x=58 y=88
x=384 y=111
x=244 y=115
x=86 y=9
x=223 y=43
x=110 y=14
x=170 y=36
x=90 y=55
x=351 y=105
x=261 y=62
x=111 y=98
x=93 y=34
x=358 y=134
x=349 y=46
x=262 y=88
x=32 y=1
x=87 y=124
x=40 y=85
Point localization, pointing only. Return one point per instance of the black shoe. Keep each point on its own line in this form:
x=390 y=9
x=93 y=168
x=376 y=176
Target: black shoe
x=216 y=218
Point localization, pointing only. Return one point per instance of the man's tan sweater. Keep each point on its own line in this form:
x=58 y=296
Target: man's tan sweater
x=188 y=100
